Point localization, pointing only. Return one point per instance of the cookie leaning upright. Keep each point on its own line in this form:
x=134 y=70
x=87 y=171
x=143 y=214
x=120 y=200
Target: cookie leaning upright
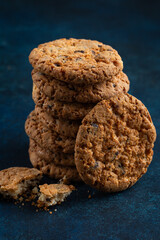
x=77 y=61
x=114 y=145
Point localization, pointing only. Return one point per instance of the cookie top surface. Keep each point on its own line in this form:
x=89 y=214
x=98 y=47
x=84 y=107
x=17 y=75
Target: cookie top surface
x=11 y=177
x=114 y=143
x=62 y=91
x=77 y=61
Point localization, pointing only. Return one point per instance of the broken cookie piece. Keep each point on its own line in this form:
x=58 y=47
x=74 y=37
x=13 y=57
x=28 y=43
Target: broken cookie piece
x=53 y=193
x=15 y=181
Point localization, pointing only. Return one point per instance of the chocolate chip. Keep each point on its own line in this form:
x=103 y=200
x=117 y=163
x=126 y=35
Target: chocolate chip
x=116 y=153
x=99 y=45
x=59 y=139
x=88 y=130
x=43 y=130
x=94 y=125
x=115 y=106
x=63 y=56
x=57 y=64
x=96 y=165
x=93 y=52
x=79 y=51
x=49 y=106
x=71 y=87
x=109 y=148
x=121 y=167
x=114 y=85
x=78 y=59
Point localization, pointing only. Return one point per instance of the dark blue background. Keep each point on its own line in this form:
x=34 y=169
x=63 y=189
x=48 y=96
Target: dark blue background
x=133 y=28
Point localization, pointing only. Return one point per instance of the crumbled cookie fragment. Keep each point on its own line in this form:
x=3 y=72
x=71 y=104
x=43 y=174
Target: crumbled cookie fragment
x=53 y=194
x=15 y=181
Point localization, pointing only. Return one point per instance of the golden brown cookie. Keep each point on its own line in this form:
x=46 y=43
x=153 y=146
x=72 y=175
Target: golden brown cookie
x=72 y=111
x=15 y=181
x=55 y=171
x=114 y=144
x=52 y=194
x=58 y=158
x=47 y=138
x=77 y=61
x=64 y=127
x=65 y=92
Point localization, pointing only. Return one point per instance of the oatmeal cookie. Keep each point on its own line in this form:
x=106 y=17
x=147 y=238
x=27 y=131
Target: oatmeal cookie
x=114 y=144
x=71 y=111
x=47 y=138
x=65 y=92
x=55 y=171
x=58 y=158
x=77 y=61
x=64 y=127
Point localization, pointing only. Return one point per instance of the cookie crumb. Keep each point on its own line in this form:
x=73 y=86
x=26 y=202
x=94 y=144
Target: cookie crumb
x=89 y=196
x=50 y=212
x=21 y=199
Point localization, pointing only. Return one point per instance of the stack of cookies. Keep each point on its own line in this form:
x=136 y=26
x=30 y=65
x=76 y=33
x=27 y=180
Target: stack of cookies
x=70 y=77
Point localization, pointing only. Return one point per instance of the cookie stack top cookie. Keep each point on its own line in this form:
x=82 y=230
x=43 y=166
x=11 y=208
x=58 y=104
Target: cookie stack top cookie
x=77 y=61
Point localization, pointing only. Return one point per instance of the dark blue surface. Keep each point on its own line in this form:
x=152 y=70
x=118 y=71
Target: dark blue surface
x=133 y=28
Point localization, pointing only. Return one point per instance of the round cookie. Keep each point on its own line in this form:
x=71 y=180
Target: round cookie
x=72 y=111
x=62 y=91
x=47 y=138
x=54 y=171
x=77 y=61
x=66 y=128
x=58 y=158
x=114 y=144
